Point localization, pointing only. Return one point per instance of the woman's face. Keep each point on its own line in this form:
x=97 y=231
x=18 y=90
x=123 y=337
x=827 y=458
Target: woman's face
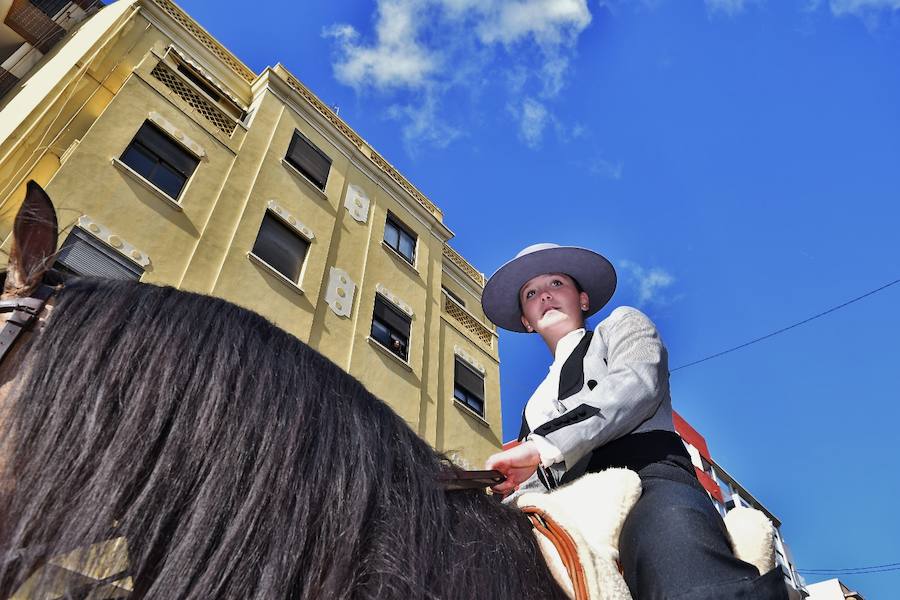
x=551 y=304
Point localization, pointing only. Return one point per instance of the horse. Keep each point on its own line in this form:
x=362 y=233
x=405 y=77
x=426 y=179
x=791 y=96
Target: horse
x=234 y=460
x=156 y=443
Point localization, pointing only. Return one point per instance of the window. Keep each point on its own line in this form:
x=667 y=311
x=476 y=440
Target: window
x=390 y=327
x=309 y=160
x=400 y=239
x=199 y=82
x=280 y=246
x=468 y=387
x=84 y=255
x=455 y=298
x=160 y=160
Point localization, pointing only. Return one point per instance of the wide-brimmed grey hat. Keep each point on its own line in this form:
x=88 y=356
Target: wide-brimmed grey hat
x=593 y=272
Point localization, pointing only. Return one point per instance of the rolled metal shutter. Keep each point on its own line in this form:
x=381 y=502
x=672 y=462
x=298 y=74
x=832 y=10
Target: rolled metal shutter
x=85 y=255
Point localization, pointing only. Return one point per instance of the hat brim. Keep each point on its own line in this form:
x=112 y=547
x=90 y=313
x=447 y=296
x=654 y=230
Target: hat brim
x=593 y=272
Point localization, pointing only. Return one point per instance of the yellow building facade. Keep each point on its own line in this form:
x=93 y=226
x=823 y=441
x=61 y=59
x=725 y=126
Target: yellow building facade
x=172 y=162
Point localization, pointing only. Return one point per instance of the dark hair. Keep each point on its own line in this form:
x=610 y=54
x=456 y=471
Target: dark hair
x=236 y=461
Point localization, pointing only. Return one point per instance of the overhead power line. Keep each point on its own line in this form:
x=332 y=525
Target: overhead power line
x=854 y=570
x=788 y=328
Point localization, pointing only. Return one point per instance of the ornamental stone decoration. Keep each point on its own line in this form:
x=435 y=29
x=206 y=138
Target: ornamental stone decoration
x=113 y=241
x=357 y=203
x=469 y=359
x=291 y=220
x=394 y=299
x=340 y=291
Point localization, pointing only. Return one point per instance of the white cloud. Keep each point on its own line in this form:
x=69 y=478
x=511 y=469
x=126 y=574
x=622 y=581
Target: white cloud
x=421 y=124
x=870 y=12
x=727 y=7
x=853 y=6
x=397 y=59
x=426 y=49
x=549 y=22
x=532 y=116
x=606 y=169
x=650 y=283
x=862 y=7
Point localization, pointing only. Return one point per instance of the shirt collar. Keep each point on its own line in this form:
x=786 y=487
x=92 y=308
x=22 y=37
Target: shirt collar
x=566 y=345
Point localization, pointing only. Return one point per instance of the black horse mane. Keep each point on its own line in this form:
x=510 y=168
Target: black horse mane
x=236 y=461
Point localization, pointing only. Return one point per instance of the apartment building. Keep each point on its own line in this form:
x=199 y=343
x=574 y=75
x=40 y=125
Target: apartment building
x=173 y=163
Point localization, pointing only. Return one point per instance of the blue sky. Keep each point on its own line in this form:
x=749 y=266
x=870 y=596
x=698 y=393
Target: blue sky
x=737 y=160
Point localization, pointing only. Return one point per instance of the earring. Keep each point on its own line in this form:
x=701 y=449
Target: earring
x=584 y=307
x=528 y=327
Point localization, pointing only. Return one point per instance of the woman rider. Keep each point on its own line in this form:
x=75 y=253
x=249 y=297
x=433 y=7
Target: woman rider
x=605 y=403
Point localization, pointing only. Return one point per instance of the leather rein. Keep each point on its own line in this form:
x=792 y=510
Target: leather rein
x=543 y=524
x=25 y=313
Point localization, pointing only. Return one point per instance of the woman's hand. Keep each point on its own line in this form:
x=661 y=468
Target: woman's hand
x=517 y=464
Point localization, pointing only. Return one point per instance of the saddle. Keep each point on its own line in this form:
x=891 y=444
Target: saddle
x=577 y=527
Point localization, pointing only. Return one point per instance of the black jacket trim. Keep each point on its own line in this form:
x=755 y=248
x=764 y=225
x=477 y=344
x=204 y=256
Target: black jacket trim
x=581 y=413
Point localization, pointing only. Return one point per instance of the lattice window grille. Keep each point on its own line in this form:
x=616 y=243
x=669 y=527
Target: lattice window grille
x=206 y=39
x=469 y=323
x=194 y=99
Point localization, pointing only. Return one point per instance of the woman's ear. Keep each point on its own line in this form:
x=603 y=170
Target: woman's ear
x=33 y=249
x=527 y=325
x=584 y=300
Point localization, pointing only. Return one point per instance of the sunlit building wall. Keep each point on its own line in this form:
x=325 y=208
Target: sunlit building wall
x=173 y=163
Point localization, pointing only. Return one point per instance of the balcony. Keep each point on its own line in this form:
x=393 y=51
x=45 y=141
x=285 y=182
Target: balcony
x=475 y=328
x=32 y=21
x=7 y=81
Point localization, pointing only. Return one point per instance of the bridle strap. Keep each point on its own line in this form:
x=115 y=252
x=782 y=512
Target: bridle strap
x=565 y=546
x=25 y=311
x=459 y=479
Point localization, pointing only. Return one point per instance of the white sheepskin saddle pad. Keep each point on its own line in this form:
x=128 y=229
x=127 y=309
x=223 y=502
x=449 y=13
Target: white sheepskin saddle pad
x=592 y=511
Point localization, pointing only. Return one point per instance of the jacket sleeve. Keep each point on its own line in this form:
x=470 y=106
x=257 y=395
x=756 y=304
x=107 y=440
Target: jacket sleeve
x=636 y=384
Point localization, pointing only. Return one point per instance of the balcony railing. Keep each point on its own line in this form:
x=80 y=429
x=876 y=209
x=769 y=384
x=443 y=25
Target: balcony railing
x=468 y=321
x=7 y=81
x=33 y=24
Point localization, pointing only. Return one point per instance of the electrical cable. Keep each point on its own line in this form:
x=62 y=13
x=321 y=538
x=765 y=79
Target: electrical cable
x=789 y=327
x=887 y=566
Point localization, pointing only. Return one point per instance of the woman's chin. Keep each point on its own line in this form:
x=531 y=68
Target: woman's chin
x=552 y=318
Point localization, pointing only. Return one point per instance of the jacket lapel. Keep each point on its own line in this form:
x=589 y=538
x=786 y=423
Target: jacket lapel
x=571 y=377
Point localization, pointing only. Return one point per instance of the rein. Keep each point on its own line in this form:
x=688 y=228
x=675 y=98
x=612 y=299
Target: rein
x=564 y=545
x=25 y=312
x=454 y=479
x=543 y=524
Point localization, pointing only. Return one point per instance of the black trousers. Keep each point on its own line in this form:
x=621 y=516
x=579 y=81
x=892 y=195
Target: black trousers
x=674 y=544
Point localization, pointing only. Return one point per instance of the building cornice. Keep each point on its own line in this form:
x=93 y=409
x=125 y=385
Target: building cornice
x=212 y=45
x=359 y=154
x=191 y=39
x=358 y=142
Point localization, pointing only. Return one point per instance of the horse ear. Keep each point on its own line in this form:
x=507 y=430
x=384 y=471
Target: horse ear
x=34 y=243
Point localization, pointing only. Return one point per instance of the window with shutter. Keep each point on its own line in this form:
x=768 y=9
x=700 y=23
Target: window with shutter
x=468 y=387
x=84 y=255
x=160 y=160
x=281 y=246
x=390 y=327
x=401 y=239
x=309 y=160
